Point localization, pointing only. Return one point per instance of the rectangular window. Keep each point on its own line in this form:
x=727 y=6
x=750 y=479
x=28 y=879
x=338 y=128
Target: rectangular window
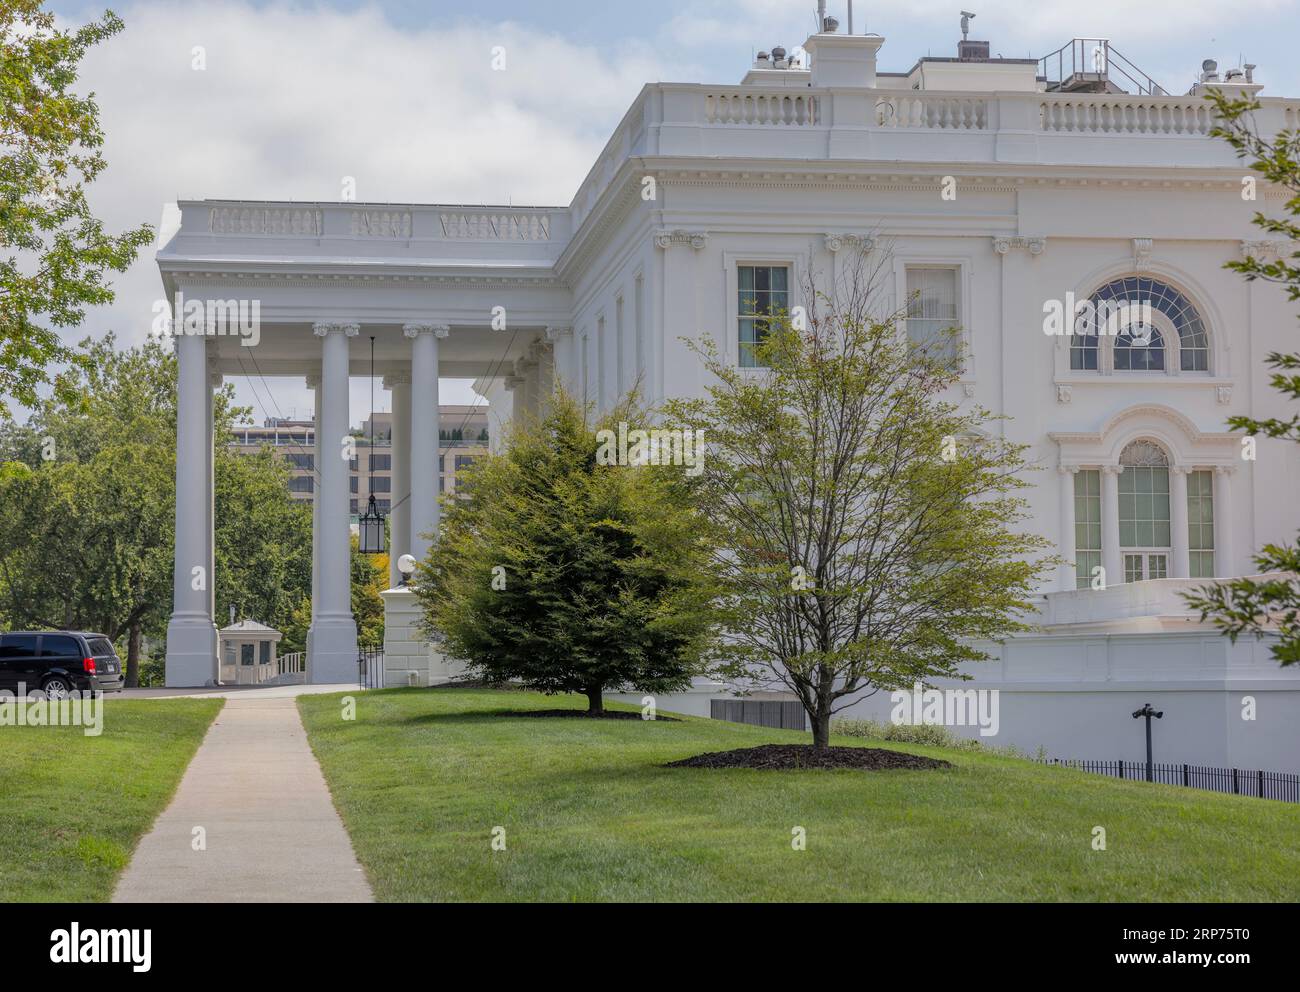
x=1087 y=525
x=638 y=316
x=1144 y=507
x=381 y=463
x=586 y=369
x=381 y=484
x=620 y=375
x=600 y=363
x=1200 y=524
x=263 y=652
x=933 y=312
x=763 y=292
x=307 y=462
x=301 y=484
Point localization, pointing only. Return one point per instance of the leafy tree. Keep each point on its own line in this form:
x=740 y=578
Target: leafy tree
x=862 y=521
x=87 y=507
x=567 y=574
x=1270 y=605
x=56 y=253
x=369 y=579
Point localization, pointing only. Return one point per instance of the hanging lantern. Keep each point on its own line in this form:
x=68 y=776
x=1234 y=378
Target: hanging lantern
x=372 y=536
x=372 y=531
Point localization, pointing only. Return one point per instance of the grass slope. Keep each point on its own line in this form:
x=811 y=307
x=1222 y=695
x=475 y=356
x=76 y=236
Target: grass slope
x=422 y=777
x=72 y=808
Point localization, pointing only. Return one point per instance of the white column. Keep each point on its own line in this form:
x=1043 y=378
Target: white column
x=400 y=518
x=424 y=434
x=1225 y=562
x=313 y=383
x=1181 y=566
x=564 y=370
x=191 y=634
x=526 y=391
x=210 y=525
x=1066 y=548
x=1112 y=560
x=333 y=657
x=515 y=386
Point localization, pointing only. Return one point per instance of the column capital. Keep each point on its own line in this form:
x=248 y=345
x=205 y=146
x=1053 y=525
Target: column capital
x=1225 y=470
x=513 y=382
x=1180 y=469
x=397 y=379
x=323 y=327
x=554 y=334
x=416 y=328
x=1067 y=469
x=1112 y=469
x=313 y=380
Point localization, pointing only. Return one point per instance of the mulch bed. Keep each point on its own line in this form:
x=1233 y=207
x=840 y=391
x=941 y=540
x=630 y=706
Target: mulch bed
x=584 y=715
x=793 y=757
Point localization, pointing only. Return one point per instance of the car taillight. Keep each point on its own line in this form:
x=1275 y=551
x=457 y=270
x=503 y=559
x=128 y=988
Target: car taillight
x=89 y=665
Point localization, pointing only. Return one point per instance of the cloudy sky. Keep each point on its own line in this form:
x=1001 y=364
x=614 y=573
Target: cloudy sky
x=402 y=95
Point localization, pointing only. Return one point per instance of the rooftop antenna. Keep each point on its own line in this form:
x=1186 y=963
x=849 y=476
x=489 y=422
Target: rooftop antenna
x=966 y=15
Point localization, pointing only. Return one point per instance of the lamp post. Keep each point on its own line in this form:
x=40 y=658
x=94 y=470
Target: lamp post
x=1149 y=712
x=406 y=566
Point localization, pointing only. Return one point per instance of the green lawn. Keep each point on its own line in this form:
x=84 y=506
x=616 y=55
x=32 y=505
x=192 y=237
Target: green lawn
x=72 y=807
x=422 y=777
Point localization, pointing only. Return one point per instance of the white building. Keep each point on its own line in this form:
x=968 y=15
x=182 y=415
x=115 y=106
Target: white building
x=1001 y=185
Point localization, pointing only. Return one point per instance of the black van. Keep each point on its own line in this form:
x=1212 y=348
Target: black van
x=59 y=661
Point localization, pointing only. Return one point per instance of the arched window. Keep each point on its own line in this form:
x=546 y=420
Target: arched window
x=1144 y=527
x=1135 y=293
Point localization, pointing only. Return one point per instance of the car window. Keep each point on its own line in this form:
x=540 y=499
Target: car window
x=59 y=646
x=101 y=647
x=18 y=646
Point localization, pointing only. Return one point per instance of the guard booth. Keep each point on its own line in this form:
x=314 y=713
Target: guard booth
x=248 y=651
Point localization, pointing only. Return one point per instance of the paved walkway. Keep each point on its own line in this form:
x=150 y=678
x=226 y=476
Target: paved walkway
x=272 y=833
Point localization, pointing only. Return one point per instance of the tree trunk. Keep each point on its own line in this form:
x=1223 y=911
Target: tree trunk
x=595 y=700
x=133 y=656
x=821 y=727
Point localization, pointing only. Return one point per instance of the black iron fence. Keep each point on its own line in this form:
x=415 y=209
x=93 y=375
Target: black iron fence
x=780 y=713
x=370 y=666
x=1238 y=781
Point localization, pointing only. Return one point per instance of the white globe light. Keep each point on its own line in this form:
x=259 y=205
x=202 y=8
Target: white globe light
x=406 y=564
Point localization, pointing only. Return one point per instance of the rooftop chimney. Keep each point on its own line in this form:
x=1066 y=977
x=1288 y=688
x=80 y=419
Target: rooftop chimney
x=843 y=59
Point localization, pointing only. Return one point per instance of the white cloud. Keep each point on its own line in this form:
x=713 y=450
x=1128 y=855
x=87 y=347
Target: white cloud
x=294 y=99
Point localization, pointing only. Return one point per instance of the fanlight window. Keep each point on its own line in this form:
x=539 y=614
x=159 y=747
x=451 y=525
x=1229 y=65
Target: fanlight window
x=1131 y=353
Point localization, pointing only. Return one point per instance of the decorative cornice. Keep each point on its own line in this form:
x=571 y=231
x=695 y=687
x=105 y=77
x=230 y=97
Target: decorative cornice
x=1142 y=249
x=1035 y=246
x=835 y=242
x=680 y=238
